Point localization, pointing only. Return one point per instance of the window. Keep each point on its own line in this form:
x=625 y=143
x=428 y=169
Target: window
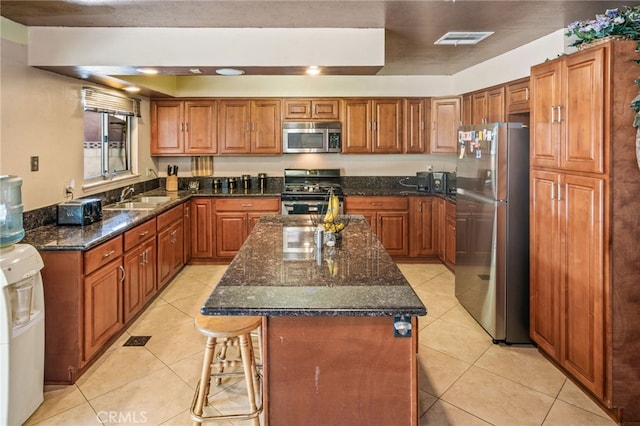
x=109 y=121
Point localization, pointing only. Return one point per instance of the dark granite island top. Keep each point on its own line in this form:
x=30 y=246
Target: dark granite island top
x=278 y=272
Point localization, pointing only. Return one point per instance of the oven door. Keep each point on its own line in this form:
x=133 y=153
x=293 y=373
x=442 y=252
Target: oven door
x=304 y=140
x=305 y=207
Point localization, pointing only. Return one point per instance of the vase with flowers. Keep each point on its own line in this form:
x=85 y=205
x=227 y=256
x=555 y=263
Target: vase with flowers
x=622 y=23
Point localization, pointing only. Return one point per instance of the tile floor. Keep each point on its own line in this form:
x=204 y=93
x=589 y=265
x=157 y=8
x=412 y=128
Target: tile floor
x=464 y=378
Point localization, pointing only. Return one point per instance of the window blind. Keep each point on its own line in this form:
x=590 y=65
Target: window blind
x=99 y=101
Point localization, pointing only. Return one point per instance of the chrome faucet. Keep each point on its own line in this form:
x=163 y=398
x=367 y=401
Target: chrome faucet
x=127 y=191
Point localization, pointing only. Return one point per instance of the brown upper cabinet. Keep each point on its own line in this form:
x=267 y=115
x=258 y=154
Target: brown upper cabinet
x=445 y=119
x=487 y=106
x=517 y=96
x=372 y=126
x=416 y=135
x=311 y=109
x=250 y=126
x=183 y=127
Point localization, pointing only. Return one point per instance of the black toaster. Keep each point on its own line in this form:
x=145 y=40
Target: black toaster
x=83 y=211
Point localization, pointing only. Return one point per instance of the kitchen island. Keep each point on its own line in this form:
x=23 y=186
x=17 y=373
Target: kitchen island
x=335 y=345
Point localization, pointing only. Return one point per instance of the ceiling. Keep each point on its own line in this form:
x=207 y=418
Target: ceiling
x=411 y=27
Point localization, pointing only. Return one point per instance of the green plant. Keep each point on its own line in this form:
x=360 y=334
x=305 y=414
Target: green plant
x=623 y=22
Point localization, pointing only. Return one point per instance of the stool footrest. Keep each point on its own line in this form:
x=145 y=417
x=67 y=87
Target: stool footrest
x=238 y=416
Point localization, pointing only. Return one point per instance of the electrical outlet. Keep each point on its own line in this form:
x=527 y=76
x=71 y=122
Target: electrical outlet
x=35 y=163
x=429 y=168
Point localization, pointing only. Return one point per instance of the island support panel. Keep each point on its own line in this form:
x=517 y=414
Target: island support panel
x=339 y=371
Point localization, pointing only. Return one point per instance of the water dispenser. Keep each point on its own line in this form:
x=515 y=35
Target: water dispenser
x=11 y=228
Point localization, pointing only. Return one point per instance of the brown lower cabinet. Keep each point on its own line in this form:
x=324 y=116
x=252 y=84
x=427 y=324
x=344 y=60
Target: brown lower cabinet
x=423 y=226
x=389 y=218
x=91 y=296
x=236 y=217
x=445 y=228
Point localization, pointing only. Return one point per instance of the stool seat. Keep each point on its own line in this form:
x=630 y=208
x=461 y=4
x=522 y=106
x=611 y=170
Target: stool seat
x=232 y=331
x=226 y=326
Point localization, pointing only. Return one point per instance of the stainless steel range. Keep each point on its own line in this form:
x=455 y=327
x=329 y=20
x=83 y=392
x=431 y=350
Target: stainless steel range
x=306 y=191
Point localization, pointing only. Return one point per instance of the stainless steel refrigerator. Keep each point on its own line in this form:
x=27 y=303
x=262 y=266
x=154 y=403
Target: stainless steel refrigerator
x=492 y=228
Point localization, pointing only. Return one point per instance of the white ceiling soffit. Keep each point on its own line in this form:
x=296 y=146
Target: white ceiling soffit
x=463 y=37
x=127 y=48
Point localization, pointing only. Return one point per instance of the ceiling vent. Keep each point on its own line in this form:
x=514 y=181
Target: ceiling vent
x=463 y=37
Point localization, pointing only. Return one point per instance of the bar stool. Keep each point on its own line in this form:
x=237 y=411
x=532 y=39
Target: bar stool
x=232 y=331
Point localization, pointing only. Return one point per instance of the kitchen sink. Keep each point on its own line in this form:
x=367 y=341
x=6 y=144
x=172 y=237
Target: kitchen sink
x=132 y=205
x=154 y=199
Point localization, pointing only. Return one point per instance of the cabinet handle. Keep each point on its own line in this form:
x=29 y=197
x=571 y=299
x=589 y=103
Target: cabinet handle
x=186 y=211
x=142 y=258
x=248 y=127
x=107 y=254
x=247 y=205
x=433 y=125
x=122 y=271
x=526 y=93
x=142 y=234
x=422 y=125
x=559 y=113
x=182 y=127
x=553 y=109
x=173 y=236
x=186 y=127
x=553 y=191
x=376 y=203
x=559 y=193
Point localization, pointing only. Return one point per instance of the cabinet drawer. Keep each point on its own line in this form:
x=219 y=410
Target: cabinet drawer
x=376 y=203
x=103 y=254
x=170 y=216
x=248 y=204
x=138 y=234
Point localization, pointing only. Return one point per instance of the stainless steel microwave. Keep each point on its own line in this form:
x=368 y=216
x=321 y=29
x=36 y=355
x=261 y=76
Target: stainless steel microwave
x=311 y=136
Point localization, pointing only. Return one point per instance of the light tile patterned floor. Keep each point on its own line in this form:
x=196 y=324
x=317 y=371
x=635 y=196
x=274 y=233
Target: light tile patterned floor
x=464 y=378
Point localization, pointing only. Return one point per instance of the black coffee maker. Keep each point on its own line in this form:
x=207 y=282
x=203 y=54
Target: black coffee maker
x=423 y=181
x=439 y=182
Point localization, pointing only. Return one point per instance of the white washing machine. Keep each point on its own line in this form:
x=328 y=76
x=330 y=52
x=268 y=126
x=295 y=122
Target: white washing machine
x=21 y=333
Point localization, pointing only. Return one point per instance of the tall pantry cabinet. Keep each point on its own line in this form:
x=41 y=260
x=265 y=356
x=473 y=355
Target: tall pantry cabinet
x=585 y=227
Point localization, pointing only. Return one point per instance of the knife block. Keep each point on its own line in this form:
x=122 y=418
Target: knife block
x=172 y=183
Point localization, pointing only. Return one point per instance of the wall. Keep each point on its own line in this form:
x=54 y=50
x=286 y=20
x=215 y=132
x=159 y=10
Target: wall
x=42 y=116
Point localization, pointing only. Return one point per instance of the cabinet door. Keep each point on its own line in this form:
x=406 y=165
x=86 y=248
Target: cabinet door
x=450 y=252
x=387 y=126
x=422 y=238
x=231 y=231
x=393 y=231
x=445 y=119
x=479 y=107
x=170 y=255
x=545 y=129
x=167 y=135
x=102 y=306
x=582 y=292
x=202 y=236
x=186 y=223
x=517 y=97
x=467 y=110
x=582 y=112
x=297 y=109
x=415 y=135
x=234 y=127
x=325 y=109
x=356 y=130
x=266 y=126
x=133 y=298
x=148 y=277
x=495 y=105
x=200 y=127
x=544 y=322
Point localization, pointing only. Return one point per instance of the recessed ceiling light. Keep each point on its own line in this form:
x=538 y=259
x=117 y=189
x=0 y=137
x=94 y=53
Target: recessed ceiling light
x=132 y=89
x=463 y=37
x=148 y=71
x=229 y=71
x=195 y=71
x=313 y=70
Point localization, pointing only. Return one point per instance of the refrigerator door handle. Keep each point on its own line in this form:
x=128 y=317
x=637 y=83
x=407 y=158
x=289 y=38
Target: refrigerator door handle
x=477 y=197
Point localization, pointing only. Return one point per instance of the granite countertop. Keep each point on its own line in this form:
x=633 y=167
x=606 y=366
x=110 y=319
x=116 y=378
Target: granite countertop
x=115 y=222
x=278 y=272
